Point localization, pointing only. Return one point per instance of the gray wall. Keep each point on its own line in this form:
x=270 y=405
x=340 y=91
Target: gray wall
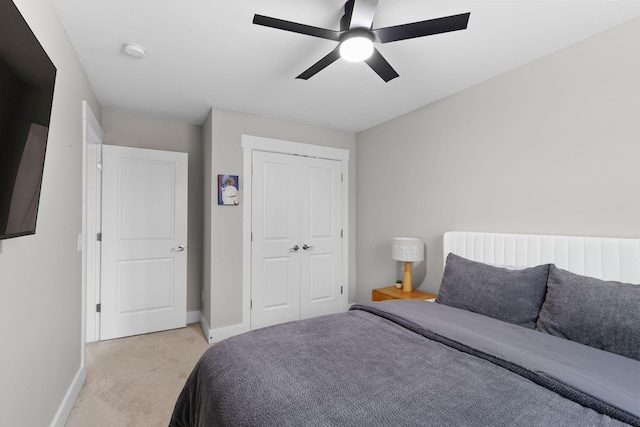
x=156 y=134
x=552 y=147
x=223 y=269
x=40 y=275
x=206 y=227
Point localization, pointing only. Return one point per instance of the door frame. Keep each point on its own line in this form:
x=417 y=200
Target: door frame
x=252 y=143
x=91 y=210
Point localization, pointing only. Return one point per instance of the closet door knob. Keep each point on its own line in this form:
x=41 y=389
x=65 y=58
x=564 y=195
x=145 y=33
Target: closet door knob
x=294 y=249
x=305 y=247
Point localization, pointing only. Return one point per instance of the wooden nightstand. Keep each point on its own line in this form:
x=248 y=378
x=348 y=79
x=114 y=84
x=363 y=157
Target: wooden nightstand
x=391 y=292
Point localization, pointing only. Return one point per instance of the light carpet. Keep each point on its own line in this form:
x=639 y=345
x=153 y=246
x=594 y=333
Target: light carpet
x=135 y=381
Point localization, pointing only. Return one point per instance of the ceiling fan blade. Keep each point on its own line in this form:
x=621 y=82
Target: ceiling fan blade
x=361 y=13
x=422 y=28
x=380 y=65
x=320 y=65
x=294 y=27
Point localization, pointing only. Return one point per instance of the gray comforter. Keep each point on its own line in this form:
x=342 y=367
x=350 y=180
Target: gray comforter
x=407 y=363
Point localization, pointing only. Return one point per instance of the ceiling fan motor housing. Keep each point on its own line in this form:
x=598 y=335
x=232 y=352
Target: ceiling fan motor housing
x=357 y=32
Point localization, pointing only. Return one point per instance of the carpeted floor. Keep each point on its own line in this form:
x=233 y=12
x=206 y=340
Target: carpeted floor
x=135 y=381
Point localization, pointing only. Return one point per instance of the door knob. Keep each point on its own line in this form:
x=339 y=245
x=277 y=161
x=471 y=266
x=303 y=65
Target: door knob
x=305 y=247
x=178 y=249
x=294 y=249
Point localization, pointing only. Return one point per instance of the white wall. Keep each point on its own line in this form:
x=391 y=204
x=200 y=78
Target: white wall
x=223 y=269
x=552 y=147
x=156 y=134
x=40 y=275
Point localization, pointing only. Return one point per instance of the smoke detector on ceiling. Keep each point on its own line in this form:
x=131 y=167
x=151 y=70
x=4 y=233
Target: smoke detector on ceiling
x=134 y=50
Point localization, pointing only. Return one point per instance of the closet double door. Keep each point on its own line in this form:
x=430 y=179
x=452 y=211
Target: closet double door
x=296 y=249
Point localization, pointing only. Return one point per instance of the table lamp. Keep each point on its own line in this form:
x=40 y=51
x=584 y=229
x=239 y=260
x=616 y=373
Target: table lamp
x=407 y=249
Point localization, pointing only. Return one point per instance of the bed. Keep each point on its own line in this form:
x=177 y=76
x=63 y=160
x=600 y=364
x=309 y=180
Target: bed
x=526 y=331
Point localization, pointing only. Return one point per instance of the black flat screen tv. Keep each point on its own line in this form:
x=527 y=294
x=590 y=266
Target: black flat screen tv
x=27 y=78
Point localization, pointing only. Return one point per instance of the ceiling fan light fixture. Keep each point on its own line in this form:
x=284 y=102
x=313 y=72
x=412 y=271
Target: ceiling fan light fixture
x=356 y=48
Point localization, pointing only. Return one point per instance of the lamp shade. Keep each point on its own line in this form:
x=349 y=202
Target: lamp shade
x=407 y=249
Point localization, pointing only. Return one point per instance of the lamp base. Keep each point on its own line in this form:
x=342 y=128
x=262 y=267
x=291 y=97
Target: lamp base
x=407 y=284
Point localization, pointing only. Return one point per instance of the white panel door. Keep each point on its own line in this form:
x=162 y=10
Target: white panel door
x=321 y=216
x=296 y=231
x=144 y=241
x=275 y=285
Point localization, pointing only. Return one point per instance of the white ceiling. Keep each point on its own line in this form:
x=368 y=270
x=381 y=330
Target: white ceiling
x=207 y=53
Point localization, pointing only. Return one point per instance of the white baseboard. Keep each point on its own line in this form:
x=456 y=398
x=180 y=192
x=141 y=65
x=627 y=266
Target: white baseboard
x=70 y=398
x=193 y=316
x=219 y=334
x=225 y=332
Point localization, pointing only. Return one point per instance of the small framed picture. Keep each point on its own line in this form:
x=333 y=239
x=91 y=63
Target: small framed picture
x=228 y=190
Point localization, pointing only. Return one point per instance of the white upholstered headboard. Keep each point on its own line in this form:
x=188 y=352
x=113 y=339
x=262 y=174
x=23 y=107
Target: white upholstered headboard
x=602 y=258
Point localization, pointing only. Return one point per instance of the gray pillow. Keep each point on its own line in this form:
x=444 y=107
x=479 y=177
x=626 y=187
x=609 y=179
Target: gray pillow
x=600 y=314
x=514 y=296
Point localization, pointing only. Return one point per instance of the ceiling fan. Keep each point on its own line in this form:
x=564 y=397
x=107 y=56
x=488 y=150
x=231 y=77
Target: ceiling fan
x=356 y=37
